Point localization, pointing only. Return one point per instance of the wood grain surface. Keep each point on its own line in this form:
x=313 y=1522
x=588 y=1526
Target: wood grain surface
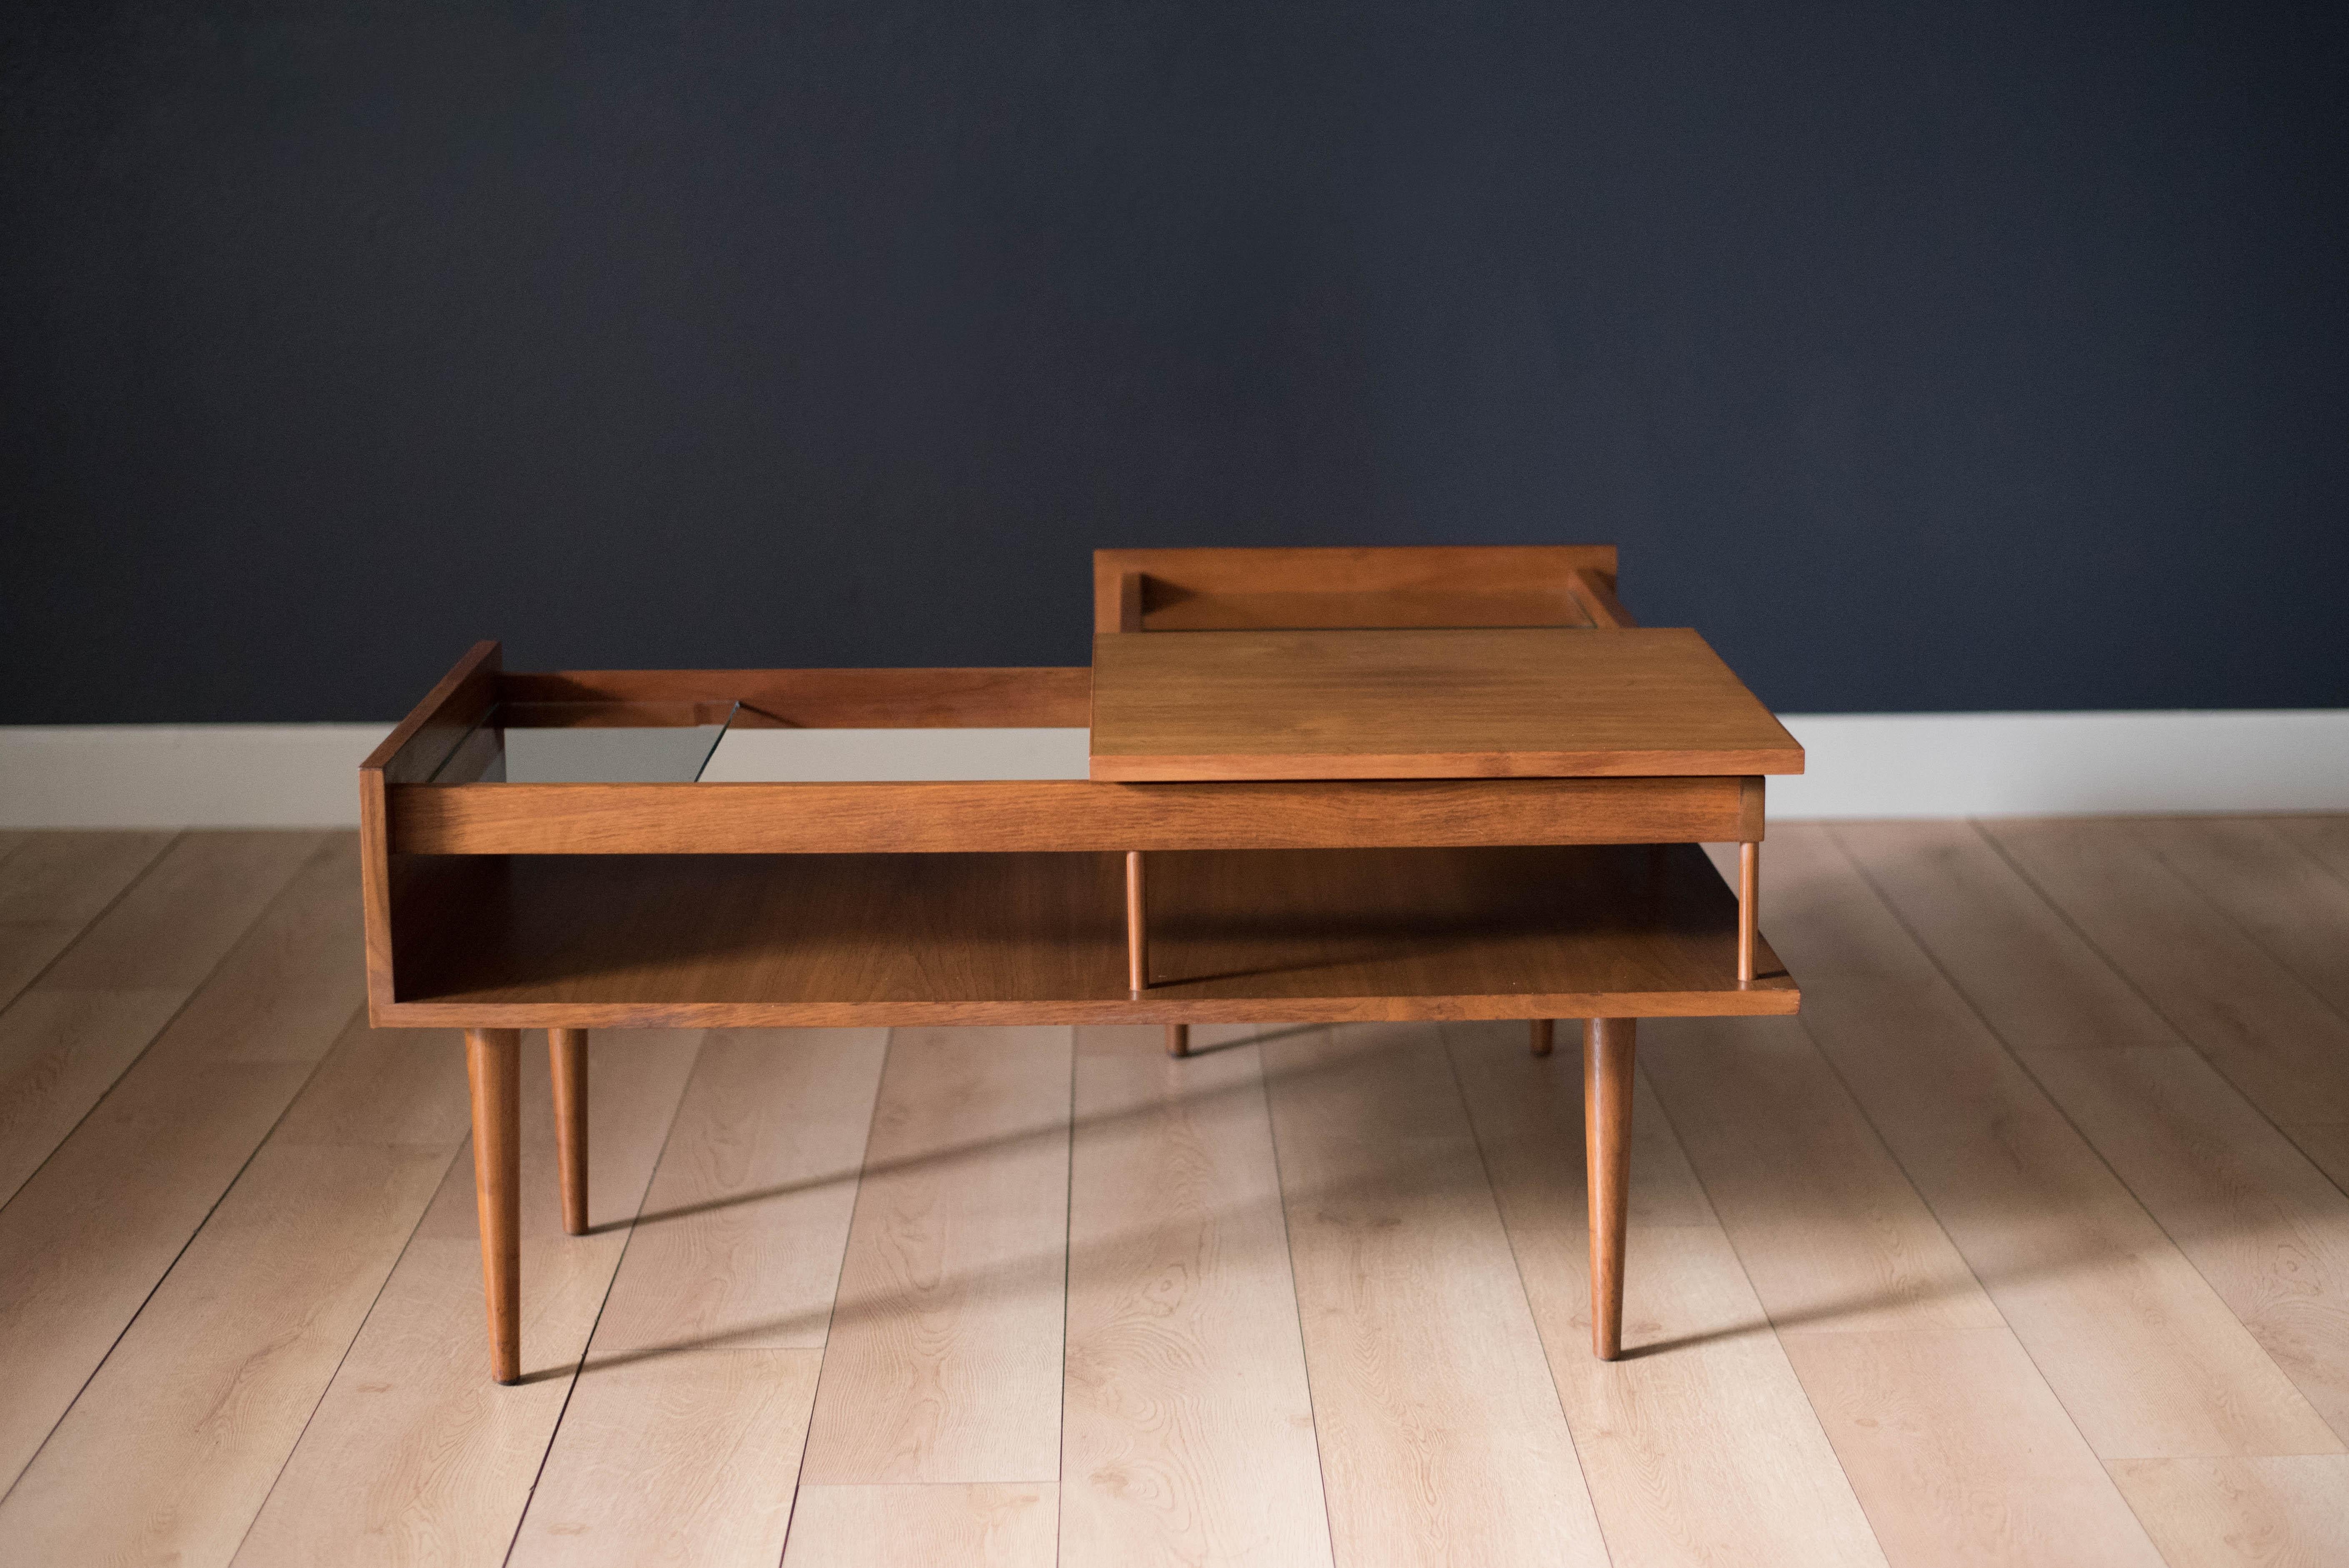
x=2286 y=900
x=977 y=1525
x=90 y=1232
x=1962 y=1456
x=945 y=1357
x=1414 y=704
x=1835 y=1238
x=180 y=919
x=168 y=1453
x=1188 y=1425
x=2142 y=1352
x=2272 y=1037
x=1700 y=1445
x=60 y=1052
x=2267 y=1231
x=73 y=1033
x=689 y=1459
x=2258 y=1221
x=412 y=1454
x=53 y=885
x=740 y=1242
x=2284 y=1510
x=1441 y=1438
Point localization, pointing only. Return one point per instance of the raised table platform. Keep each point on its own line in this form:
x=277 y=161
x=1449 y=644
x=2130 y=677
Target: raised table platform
x=1339 y=821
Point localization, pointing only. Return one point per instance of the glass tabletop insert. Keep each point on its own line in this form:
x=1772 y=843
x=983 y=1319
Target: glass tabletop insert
x=588 y=743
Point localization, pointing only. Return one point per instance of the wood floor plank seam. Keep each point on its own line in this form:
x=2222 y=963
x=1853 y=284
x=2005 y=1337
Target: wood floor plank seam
x=2226 y=917
x=1881 y=1142
x=2129 y=980
x=2007 y=1046
x=2194 y=848
x=1810 y=1401
x=588 y=1344
x=1295 y=1297
x=187 y=1001
x=1517 y=1265
x=1068 y=1281
x=840 y=1262
x=2252 y=936
x=2339 y=873
x=1859 y=871
x=209 y=1209
x=2051 y=1100
x=58 y=956
x=863 y=1162
x=1827 y=1059
x=381 y=1286
x=95 y=1106
x=2249 y=934
x=33 y=983
x=413 y=1456
x=1402 y=1265
x=1909 y=1473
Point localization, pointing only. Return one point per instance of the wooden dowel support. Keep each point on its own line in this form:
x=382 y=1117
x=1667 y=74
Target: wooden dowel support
x=1545 y=1035
x=1748 y=908
x=566 y=1055
x=493 y=1073
x=1608 y=1049
x=1137 y=950
x=1178 y=1039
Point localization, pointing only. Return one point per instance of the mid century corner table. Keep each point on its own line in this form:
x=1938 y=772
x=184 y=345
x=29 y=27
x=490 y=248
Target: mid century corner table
x=1364 y=785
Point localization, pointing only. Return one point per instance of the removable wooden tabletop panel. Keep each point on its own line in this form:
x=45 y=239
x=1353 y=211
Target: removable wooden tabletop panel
x=1483 y=703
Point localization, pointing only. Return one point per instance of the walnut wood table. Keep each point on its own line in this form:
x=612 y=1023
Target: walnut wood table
x=1338 y=823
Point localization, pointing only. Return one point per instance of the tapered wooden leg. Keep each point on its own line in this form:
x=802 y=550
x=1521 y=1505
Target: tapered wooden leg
x=493 y=1069
x=1607 y=1048
x=1545 y=1035
x=1749 y=907
x=1137 y=949
x=1178 y=1039
x=566 y=1054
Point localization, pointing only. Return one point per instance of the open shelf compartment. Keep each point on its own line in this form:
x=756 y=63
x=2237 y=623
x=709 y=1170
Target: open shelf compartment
x=1319 y=935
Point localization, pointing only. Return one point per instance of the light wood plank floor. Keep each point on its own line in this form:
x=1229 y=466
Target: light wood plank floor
x=2026 y=1243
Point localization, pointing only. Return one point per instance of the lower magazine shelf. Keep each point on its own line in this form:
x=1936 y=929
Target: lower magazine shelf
x=1312 y=936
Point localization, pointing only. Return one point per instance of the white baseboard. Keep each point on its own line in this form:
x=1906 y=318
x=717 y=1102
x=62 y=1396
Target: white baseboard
x=1861 y=765
x=183 y=776
x=2067 y=764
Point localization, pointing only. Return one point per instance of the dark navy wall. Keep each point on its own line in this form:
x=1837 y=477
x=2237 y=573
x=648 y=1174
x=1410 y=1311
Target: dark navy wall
x=1925 y=357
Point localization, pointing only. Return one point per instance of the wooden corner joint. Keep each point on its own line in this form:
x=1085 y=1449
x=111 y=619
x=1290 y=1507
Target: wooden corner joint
x=1595 y=590
x=1751 y=813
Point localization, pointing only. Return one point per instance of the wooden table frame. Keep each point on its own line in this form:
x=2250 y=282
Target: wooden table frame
x=419 y=836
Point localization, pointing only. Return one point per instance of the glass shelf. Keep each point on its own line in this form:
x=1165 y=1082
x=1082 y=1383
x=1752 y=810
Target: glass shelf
x=588 y=743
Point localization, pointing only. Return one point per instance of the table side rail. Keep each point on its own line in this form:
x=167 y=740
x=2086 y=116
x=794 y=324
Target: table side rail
x=1133 y=587
x=1041 y=697
x=419 y=743
x=1065 y=814
x=411 y=753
